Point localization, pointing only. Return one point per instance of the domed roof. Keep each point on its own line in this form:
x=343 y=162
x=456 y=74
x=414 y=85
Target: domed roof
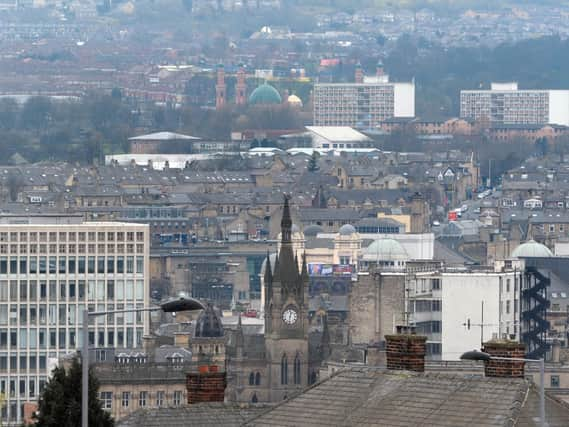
x=294 y=100
x=347 y=230
x=208 y=324
x=386 y=250
x=531 y=249
x=265 y=94
x=313 y=230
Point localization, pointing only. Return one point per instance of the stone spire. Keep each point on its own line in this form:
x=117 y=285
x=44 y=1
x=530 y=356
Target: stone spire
x=239 y=338
x=268 y=279
x=325 y=349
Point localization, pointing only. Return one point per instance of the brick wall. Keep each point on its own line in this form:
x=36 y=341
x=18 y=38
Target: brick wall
x=504 y=368
x=405 y=352
x=206 y=387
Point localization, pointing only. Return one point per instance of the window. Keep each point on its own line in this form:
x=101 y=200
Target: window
x=508 y=307
x=436 y=284
x=284 y=370
x=142 y=399
x=436 y=305
x=554 y=381
x=297 y=370
x=159 y=398
x=125 y=399
x=436 y=326
x=258 y=378
x=433 y=348
x=251 y=378
x=106 y=399
x=507 y=285
x=177 y=400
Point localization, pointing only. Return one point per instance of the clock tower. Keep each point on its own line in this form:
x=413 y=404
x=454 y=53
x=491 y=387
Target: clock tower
x=286 y=318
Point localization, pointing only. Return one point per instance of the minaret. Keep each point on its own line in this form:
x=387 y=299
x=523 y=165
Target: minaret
x=220 y=88
x=240 y=86
x=359 y=76
x=379 y=71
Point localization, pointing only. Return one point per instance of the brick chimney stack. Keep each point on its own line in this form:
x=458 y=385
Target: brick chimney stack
x=504 y=368
x=207 y=385
x=406 y=350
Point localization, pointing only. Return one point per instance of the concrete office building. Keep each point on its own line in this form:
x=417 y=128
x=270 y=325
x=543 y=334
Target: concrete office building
x=505 y=104
x=458 y=310
x=48 y=274
x=362 y=105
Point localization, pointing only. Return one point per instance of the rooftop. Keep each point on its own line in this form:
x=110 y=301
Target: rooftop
x=338 y=133
x=162 y=136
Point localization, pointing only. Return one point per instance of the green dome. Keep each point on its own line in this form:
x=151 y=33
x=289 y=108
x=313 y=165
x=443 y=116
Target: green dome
x=265 y=94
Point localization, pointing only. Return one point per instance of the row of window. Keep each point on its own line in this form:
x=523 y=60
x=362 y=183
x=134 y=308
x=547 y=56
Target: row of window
x=143 y=397
x=64 y=236
x=31 y=339
x=71 y=265
x=69 y=290
x=25 y=388
x=101 y=248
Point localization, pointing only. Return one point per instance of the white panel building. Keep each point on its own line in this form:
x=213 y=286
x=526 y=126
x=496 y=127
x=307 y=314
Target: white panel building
x=362 y=105
x=459 y=310
x=48 y=274
x=505 y=104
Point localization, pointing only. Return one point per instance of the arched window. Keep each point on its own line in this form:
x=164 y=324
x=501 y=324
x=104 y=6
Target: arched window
x=254 y=399
x=313 y=377
x=284 y=370
x=297 y=369
x=258 y=378
x=251 y=378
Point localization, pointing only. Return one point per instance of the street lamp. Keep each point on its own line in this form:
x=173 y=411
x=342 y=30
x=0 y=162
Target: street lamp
x=181 y=304
x=485 y=357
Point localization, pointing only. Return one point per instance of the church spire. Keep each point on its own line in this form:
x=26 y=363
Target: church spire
x=268 y=279
x=286 y=223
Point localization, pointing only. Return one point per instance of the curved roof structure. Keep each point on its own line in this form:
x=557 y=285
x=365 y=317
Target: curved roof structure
x=208 y=324
x=531 y=249
x=265 y=94
x=347 y=230
x=385 y=250
x=313 y=230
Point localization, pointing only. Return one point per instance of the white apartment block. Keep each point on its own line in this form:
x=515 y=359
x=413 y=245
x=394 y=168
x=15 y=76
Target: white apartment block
x=505 y=104
x=459 y=310
x=362 y=105
x=48 y=274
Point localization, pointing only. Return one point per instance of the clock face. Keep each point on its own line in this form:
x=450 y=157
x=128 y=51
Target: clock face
x=290 y=316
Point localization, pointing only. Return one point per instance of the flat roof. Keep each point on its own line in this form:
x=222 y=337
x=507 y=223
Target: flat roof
x=338 y=133
x=163 y=136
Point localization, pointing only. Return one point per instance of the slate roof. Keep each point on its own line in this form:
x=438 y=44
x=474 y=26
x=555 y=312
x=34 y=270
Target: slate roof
x=203 y=414
x=367 y=396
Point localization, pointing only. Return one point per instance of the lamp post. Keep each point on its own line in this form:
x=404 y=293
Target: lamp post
x=485 y=357
x=182 y=304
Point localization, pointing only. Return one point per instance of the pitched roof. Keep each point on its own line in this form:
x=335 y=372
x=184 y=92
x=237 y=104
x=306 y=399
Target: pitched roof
x=202 y=414
x=367 y=396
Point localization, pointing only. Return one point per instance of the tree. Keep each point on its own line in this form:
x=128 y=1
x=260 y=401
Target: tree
x=313 y=162
x=60 y=402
